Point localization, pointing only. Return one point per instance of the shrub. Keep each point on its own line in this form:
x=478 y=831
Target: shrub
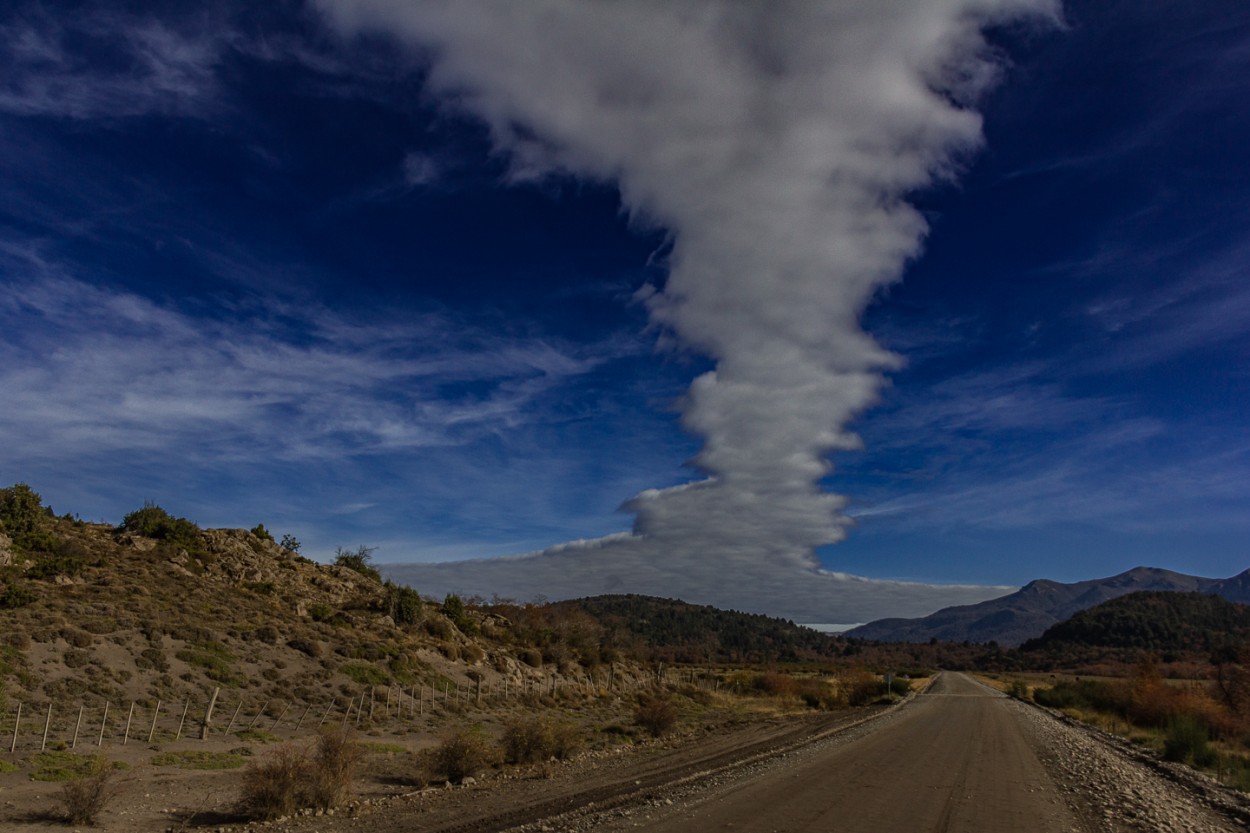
x=21 y=515
x=462 y=753
x=276 y=785
x=86 y=796
x=656 y=714
x=15 y=596
x=1186 y=740
x=817 y=694
x=402 y=604
x=899 y=687
x=154 y=522
x=334 y=764
x=454 y=609
x=358 y=560
x=863 y=688
x=774 y=684
x=1018 y=690
x=305 y=646
x=263 y=534
x=536 y=739
x=290 y=543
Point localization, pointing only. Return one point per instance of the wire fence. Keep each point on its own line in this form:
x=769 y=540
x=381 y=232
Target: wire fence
x=42 y=725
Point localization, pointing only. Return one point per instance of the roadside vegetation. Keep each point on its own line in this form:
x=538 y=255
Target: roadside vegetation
x=1203 y=723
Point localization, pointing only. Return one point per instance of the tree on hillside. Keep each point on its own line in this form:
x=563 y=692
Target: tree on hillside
x=358 y=560
x=23 y=518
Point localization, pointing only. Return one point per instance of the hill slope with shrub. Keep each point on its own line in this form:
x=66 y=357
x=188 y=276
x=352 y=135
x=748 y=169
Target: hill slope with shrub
x=158 y=608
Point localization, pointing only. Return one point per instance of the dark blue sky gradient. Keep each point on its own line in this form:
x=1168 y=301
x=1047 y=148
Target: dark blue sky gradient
x=1074 y=400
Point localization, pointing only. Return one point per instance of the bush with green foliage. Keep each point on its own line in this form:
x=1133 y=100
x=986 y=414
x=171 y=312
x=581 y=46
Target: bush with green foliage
x=16 y=595
x=402 y=604
x=154 y=522
x=1098 y=695
x=358 y=560
x=1187 y=740
x=23 y=518
x=454 y=609
x=21 y=510
x=263 y=534
x=290 y=543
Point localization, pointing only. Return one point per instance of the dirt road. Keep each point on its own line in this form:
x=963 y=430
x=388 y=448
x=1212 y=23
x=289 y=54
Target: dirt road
x=961 y=757
x=954 y=760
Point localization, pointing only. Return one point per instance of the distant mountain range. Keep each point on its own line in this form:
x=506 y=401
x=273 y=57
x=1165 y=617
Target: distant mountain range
x=1010 y=620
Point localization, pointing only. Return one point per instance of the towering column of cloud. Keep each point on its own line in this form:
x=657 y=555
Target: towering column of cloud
x=777 y=142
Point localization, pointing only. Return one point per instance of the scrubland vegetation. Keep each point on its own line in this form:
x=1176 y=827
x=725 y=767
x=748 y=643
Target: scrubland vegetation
x=276 y=633
x=501 y=683
x=1204 y=723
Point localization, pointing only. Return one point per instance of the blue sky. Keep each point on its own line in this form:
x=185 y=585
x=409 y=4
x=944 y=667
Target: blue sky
x=618 y=287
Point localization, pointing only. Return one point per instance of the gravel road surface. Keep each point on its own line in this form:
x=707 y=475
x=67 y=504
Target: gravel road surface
x=958 y=757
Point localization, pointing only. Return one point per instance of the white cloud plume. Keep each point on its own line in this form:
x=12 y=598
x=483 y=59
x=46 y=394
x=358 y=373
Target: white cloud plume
x=777 y=143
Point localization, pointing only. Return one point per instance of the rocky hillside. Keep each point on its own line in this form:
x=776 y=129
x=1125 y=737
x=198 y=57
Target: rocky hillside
x=1027 y=613
x=157 y=608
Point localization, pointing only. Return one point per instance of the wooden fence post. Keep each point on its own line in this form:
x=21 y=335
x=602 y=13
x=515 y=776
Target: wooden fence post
x=103 y=720
x=46 y=723
x=16 y=722
x=155 y=714
x=230 y=725
x=74 y=743
x=302 y=716
x=258 y=714
x=208 y=714
x=129 y=716
x=333 y=702
x=185 y=707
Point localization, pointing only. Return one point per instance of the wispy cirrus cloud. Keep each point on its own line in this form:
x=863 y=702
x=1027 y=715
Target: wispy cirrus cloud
x=93 y=369
x=106 y=63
